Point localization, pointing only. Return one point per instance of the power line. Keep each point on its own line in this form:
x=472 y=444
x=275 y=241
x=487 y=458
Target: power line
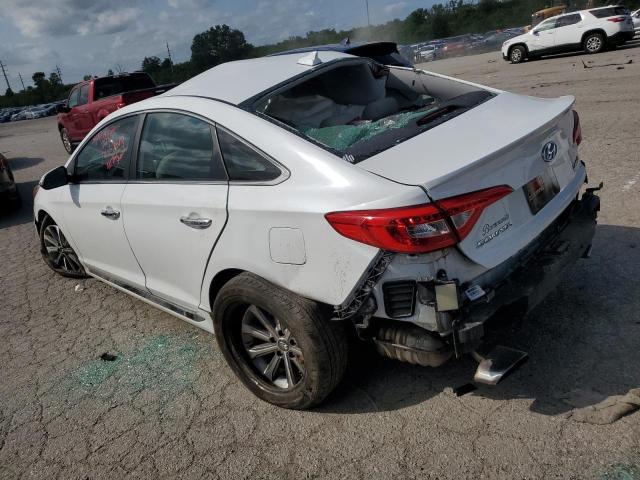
x=5 y=75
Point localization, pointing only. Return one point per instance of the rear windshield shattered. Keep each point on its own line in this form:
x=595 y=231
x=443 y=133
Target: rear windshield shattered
x=357 y=111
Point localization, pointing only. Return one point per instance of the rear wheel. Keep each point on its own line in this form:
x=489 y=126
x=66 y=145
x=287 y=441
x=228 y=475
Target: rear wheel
x=66 y=141
x=593 y=43
x=281 y=346
x=517 y=54
x=56 y=251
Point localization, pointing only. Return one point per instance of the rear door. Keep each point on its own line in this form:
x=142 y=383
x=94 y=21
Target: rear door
x=91 y=203
x=175 y=206
x=569 y=30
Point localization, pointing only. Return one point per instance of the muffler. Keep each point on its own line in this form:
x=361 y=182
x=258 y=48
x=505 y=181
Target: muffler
x=411 y=344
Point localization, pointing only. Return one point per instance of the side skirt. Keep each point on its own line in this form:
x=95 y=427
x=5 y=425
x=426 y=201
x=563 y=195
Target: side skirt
x=199 y=319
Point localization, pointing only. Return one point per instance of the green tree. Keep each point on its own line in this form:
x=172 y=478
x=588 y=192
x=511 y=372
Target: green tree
x=110 y=73
x=9 y=92
x=87 y=77
x=54 y=79
x=151 y=65
x=217 y=45
x=40 y=80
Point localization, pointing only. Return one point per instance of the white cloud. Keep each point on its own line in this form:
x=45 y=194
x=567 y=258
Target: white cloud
x=395 y=7
x=57 y=18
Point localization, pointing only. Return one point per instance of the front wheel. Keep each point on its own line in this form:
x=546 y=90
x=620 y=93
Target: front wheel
x=517 y=54
x=281 y=346
x=57 y=253
x=594 y=43
x=66 y=141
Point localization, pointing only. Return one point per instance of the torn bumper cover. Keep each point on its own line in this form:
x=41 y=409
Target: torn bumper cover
x=528 y=277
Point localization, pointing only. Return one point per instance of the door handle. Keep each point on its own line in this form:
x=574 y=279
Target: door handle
x=196 y=222
x=110 y=213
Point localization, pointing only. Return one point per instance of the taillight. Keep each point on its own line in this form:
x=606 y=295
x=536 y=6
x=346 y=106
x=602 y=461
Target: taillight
x=418 y=228
x=616 y=19
x=577 y=129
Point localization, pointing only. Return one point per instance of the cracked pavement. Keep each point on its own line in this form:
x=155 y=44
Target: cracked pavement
x=168 y=406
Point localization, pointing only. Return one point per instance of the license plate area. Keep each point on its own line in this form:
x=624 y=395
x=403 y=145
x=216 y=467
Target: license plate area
x=541 y=190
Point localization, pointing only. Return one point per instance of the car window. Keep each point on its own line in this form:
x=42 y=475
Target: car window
x=105 y=157
x=84 y=94
x=73 y=98
x=174 y=146
x=546 y=25
x=243 y=162
x=568 y=20
x=609 y=12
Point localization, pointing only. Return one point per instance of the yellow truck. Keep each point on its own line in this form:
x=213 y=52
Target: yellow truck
x=545 y=13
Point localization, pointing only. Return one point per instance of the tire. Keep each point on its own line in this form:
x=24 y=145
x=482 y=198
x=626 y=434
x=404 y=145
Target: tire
x=593 y=43
x=64 y=260
x=517 y=54
x=312 y=350
x=66 y=141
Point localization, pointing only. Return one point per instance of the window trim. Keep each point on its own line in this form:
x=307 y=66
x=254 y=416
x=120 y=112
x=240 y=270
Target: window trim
x=73 y=164
x=133 y=165
x=572 y=14
x=74 y=91
x=284 y=171
x=86 y=85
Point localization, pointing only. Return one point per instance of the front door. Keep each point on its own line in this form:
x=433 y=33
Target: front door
x=176 y=207
x=92 y=207
x=543 y=36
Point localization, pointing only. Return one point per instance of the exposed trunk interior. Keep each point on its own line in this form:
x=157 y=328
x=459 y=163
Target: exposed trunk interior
x=358 y=108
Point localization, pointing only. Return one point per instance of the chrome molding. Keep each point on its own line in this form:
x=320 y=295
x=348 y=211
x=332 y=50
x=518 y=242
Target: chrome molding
x=150 y=297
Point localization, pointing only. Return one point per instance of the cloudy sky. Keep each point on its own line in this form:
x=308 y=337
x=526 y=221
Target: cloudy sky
x=91 y=36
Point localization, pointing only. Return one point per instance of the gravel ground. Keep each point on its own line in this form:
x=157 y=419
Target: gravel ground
x=169 y=406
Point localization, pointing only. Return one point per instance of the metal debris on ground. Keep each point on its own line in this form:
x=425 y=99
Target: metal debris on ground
x=607 y=64
x=80 y=287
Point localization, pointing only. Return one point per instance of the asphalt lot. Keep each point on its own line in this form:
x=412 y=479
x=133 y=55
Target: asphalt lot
x=169 y=406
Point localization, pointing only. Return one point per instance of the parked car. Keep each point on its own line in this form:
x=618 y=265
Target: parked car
x=92 y=100
x=19 y=115
x=385 y=53
x=635 y=16
x=9 y=195
x=590 y=30
x=282 y=201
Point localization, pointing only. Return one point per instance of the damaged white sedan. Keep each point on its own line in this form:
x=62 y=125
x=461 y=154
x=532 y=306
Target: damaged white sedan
x=281 y=201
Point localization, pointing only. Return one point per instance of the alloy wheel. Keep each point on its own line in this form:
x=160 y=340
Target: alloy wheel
x=272 y=349
x=594 y=44
x=65 y=140
x=516 y=55
x=60 y=252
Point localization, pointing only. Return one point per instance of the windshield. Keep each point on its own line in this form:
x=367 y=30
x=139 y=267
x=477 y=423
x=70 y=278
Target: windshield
x=357 y=111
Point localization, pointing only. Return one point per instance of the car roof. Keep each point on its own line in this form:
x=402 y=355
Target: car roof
x=235 y=82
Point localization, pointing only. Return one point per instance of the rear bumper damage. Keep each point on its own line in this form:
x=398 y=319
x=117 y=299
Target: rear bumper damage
x=462 y=308
x=530 y=276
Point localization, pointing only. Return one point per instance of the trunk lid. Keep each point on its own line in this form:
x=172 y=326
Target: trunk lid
x=499 y=142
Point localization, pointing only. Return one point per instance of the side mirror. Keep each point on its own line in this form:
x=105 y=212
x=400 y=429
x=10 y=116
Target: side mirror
x=55 y=178
x=64 y=108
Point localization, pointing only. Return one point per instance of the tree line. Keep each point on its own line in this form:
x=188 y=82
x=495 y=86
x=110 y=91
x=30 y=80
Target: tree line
x=222 y=43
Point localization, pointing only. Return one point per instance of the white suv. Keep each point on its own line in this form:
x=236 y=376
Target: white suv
x=283 y=201
x=589 y=30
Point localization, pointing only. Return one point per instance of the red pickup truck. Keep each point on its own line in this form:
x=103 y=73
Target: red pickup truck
x=92 y=100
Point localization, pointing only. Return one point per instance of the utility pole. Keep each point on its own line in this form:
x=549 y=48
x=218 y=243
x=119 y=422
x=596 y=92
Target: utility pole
x=23 y=89
x=368 y=20
x=5 y=75
x=169 y=53
x=59 y=74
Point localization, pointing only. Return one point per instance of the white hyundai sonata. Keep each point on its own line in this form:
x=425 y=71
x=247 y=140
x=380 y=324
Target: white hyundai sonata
x=282 y=201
